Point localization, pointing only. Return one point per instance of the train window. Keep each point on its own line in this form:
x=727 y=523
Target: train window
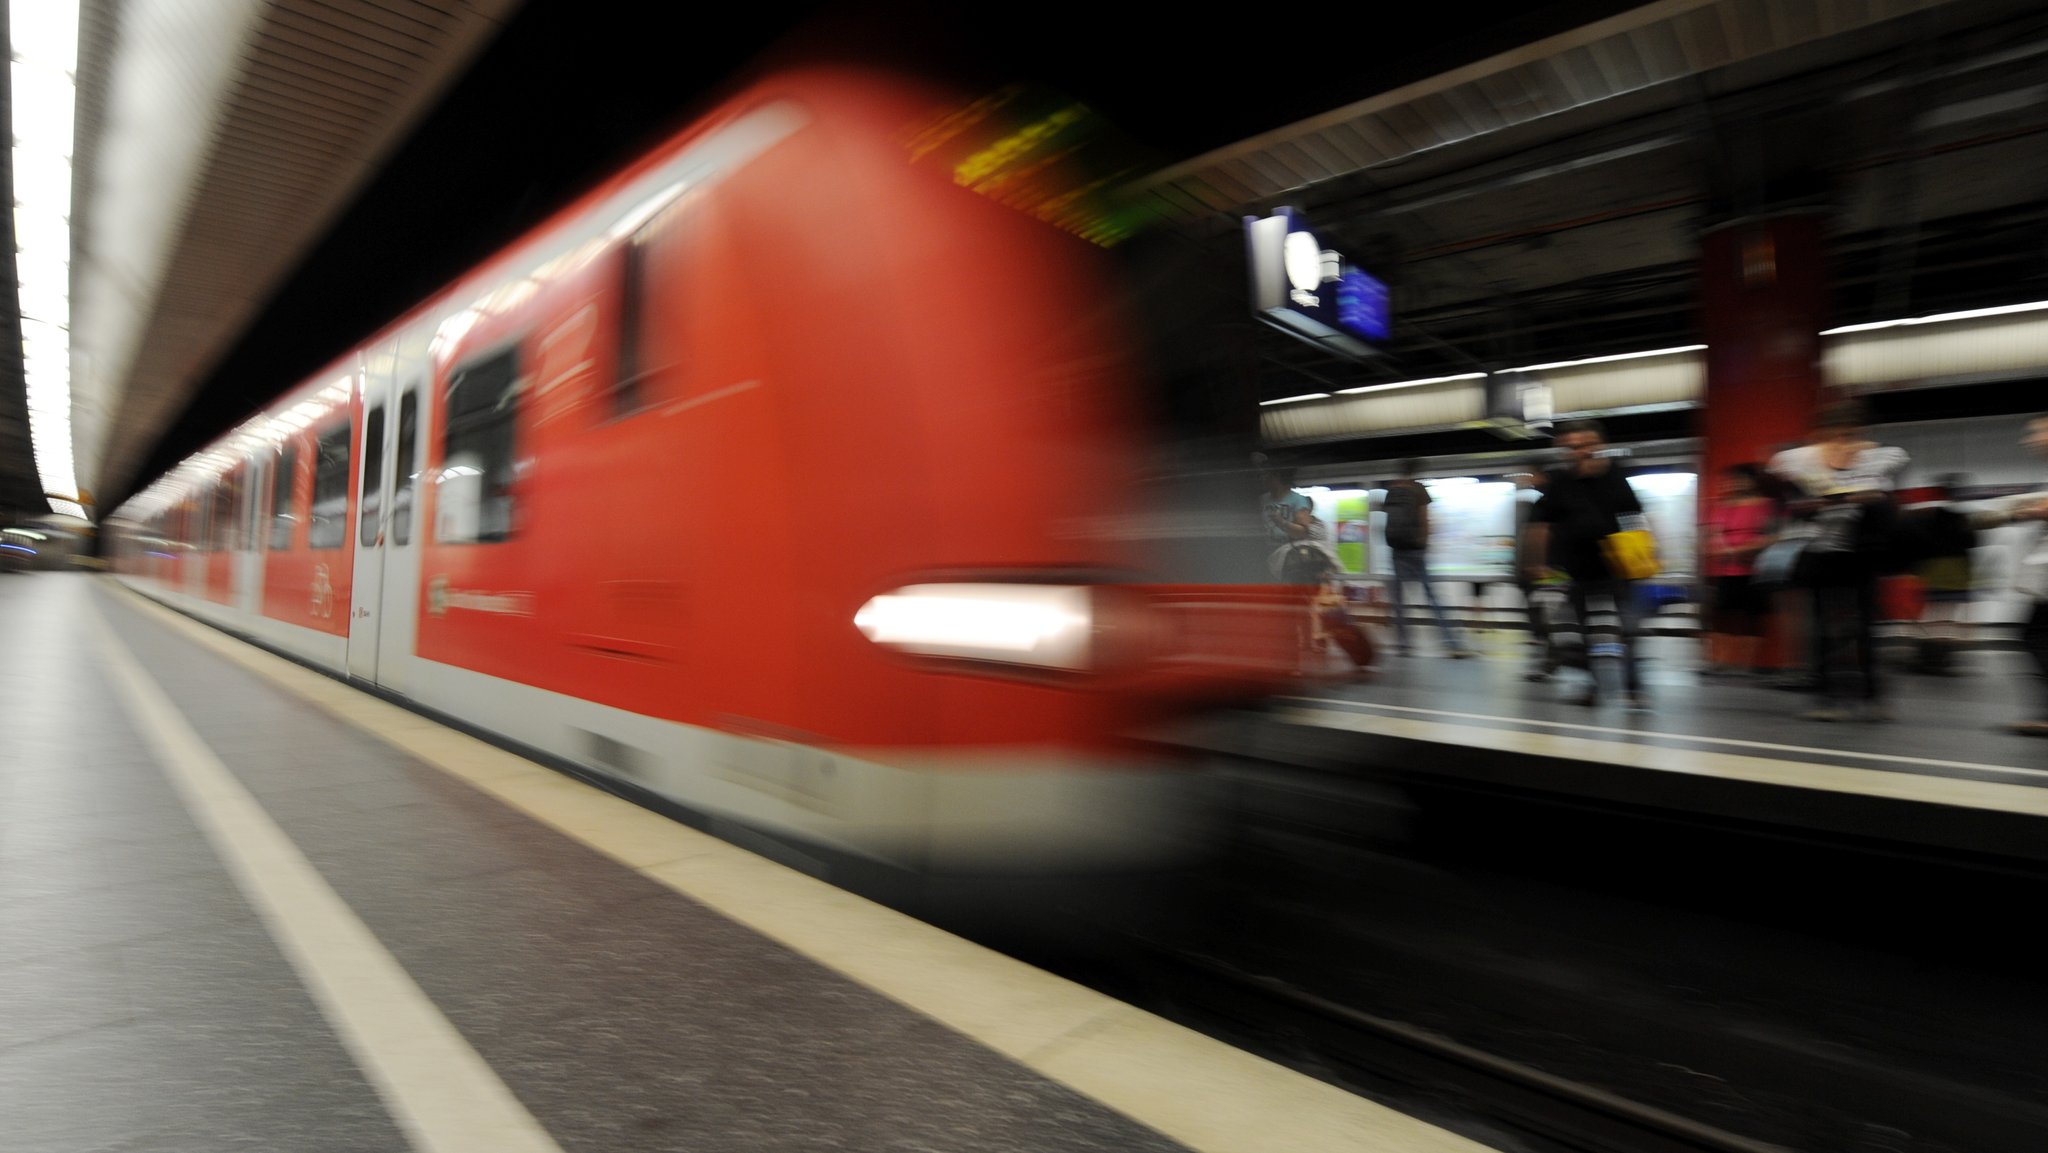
x=226 y=495
x=202 y=525
x=627 y=391
x=281 y=510
x=473 y=494
x=328 y=526
x=407 y=477
x=251 y=520
x=370 y=508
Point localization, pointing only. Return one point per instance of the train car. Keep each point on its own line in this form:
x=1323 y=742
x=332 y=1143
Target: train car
x=784 y=478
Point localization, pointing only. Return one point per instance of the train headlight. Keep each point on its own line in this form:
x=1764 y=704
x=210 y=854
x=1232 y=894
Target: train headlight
x=1049 y=626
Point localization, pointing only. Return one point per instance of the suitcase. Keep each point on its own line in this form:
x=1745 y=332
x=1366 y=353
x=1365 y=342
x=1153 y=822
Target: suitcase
x=1349 y=636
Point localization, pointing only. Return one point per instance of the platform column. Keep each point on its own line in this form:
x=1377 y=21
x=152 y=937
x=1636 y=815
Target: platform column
x=1763 y=302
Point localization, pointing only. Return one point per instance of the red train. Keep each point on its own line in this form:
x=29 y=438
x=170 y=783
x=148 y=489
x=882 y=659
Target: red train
x=784 y=477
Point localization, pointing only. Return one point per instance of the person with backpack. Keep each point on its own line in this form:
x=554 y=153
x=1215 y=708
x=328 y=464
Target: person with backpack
x=1407 y=532
x=1300 y=552
x=1844 y=485
x=1941 y=539
x=1285 y=512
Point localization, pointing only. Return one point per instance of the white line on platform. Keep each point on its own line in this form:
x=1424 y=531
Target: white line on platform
x=440 y=1091
x=1732 y=742
x=1201 y=1092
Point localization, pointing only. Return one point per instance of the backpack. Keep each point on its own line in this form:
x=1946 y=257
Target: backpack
x=1404 y=522
x=1304 y=563
x=1884 y=538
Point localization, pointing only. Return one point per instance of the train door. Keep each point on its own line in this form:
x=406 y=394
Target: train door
x=400 y=550
x=387 y=563
x=373 y=482
x=196 y=557
x=253 y=527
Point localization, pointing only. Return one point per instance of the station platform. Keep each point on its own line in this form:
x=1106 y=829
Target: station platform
x=1945 y=775
x=243 y=905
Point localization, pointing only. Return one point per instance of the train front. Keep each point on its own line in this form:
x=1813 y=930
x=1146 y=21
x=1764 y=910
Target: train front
x=1023 y=574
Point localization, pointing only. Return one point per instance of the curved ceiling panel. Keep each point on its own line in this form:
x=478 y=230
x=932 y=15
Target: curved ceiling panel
x=216 y=142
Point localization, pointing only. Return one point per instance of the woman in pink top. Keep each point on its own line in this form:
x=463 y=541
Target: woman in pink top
x=1742 y=523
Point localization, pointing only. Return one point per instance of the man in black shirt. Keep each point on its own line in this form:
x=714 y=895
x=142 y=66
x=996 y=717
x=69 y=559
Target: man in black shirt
x=1580 y=509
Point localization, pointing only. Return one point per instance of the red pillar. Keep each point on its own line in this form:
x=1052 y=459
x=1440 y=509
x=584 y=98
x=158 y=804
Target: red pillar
x=1763 y=302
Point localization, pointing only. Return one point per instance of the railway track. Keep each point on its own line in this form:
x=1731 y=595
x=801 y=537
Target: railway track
x=1539 y=1111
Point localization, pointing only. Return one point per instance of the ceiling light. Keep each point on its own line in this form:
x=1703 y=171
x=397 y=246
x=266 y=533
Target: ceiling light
x=44 y=39
x=1609 y=359
x=1411 y=383
x=1967 y=314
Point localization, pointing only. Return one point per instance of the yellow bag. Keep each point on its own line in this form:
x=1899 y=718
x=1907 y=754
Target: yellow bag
x=1631 y=554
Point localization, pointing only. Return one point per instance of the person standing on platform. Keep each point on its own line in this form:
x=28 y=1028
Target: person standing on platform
x=1845 y=484
x=2030 y=577
x=1578 y=512
x=1741 y=526
x=1942 y=539
x=1540 y=584
x=1408 y=531
x=1784 y=595
x=1298 y=551
x=1288 y=515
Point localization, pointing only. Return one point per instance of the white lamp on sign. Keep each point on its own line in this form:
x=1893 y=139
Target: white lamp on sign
x=1304 y=261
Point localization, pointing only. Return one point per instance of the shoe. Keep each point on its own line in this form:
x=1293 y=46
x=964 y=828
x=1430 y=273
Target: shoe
x=1536 y=675
x=1638 y=702
x=1461 y=654
x=1825 y=713
x=1587 y=700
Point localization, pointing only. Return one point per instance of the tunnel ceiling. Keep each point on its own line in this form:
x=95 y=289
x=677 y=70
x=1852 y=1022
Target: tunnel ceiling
x=1531 y=191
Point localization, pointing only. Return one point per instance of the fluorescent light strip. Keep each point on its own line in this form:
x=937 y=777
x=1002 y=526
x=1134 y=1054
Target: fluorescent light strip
x=1292 y=399
x=1967 y=314
x=1609 y=359
x=1411 y=383
x=44 y=38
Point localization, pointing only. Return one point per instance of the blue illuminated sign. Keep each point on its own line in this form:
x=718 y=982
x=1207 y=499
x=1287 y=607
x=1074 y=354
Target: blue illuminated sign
x=1308 y=290
x=1362 y=307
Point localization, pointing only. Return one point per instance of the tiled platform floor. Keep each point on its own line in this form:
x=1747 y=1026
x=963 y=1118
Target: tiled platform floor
x=627 y=983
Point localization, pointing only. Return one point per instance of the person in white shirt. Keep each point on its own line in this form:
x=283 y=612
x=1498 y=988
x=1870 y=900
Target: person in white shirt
x=1845 y=512
x=2030 y=578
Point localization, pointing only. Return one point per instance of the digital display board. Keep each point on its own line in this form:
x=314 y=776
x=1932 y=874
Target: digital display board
x=1310 y=291
x=1362 y=306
